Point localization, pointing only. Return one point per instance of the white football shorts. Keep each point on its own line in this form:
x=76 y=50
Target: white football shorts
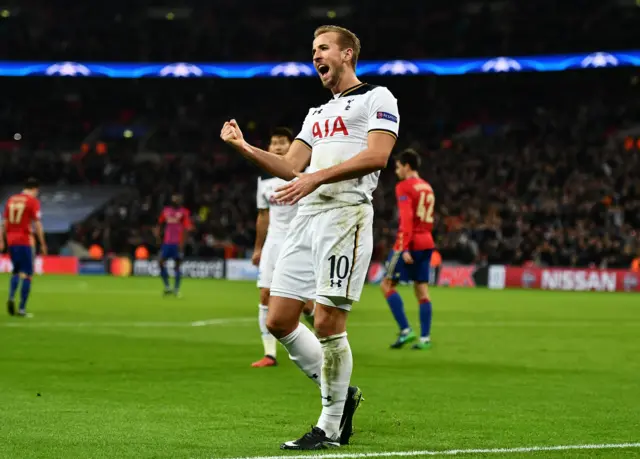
x=326 y=255
x=270 y=253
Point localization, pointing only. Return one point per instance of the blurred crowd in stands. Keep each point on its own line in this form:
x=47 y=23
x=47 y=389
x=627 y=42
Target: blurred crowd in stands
x=281 y=30
x=540 y=168
x=526 y=168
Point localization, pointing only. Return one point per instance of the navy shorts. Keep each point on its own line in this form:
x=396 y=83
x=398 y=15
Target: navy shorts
x=22 y=259
x=170 y=252
x=399 y=271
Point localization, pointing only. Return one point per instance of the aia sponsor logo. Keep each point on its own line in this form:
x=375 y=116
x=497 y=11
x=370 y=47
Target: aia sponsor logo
x=330 y=128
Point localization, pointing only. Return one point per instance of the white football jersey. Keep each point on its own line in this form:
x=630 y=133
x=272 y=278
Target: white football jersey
x=279 y=215
x=336 y=132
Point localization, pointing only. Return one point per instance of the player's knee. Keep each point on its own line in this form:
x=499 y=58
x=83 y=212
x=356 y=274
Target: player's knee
x=331 y=316
x=328 y=325
x=280 y=327
x=387 y=286
x=422 y=290
x=324 y=326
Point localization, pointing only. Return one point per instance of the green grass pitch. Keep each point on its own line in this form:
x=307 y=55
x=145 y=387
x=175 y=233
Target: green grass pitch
x=108 y=368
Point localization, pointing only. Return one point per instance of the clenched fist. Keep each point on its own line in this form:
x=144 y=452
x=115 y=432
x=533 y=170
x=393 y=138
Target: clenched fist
x=232 y=134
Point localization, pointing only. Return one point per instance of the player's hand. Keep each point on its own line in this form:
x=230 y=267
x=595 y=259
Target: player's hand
x=1 y=245
x=406 y=256
x=294 y=191
x=255 y=258
x=232 y=134
x=43 y=249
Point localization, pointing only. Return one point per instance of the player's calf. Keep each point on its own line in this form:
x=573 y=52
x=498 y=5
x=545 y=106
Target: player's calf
x=14 y=282
x=164 y=275
x=396 y=306
x=269 y=341
x=426 y=313
x=178 y=277
x=24 y=294
x=13 y=287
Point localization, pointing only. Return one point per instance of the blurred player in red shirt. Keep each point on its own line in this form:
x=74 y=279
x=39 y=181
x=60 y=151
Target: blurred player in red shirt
x=176 y=220
x=21 y=214
x=411 y=256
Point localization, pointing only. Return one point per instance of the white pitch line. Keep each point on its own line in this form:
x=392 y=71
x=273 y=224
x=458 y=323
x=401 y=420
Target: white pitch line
x=236 y=320
x=452 y=452
x=243 y=320
x=200 y=323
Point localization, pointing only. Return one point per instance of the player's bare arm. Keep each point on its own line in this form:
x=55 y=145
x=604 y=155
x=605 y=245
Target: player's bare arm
x=40 y=235
x=284 y=167
x=262 y=225
x=372 y=159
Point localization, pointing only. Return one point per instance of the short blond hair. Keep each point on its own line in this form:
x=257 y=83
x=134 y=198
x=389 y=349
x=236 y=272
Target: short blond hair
x=346 y=39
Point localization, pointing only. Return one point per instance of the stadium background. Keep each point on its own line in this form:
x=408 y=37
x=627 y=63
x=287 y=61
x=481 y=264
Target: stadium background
x=529 y=168
x=530 y=137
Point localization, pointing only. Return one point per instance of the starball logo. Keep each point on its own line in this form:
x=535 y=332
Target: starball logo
x=181 y=70
x=501 y=64
x=67 y=69
x=399 y=68
x=291 y=69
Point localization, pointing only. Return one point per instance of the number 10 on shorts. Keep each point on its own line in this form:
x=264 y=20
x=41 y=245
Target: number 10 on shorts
x=338 y=270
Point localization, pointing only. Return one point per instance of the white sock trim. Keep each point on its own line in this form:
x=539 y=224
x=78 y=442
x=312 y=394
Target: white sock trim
x=328 y=339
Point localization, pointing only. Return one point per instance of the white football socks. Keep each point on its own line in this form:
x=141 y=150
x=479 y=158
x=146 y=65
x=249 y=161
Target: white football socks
x=268 y=340
x=305 y=351
x=337 y=365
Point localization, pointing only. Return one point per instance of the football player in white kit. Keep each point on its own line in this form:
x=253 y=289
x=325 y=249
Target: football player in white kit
x=271 y=229
x=326 y=254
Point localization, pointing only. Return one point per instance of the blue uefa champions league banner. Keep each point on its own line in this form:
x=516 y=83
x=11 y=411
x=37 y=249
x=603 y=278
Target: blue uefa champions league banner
x=501 y=64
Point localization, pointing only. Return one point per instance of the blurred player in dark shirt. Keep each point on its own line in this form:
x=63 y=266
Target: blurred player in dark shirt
x=410 y=259
x=21 y=214
x=176 y=220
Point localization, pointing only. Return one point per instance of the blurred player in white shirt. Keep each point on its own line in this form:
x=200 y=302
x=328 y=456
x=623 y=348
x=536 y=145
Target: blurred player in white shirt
x=327 y=251
x=272 y=225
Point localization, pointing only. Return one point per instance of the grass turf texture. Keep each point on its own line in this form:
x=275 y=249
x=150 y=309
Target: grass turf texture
x=123 y=373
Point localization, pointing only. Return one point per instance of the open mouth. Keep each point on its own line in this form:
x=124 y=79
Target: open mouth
x=323 y=69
